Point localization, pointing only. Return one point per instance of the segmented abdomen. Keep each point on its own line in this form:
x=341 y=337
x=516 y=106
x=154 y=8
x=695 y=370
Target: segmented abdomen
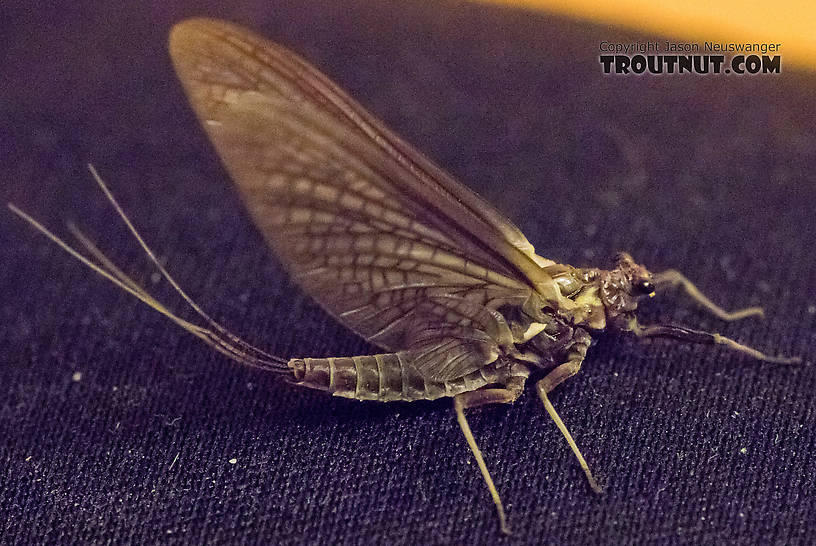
x=387 y=378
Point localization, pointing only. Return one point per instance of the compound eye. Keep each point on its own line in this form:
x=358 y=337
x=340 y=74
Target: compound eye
x=645 y=287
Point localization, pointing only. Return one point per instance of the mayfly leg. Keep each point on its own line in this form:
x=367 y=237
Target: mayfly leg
x=708 y=338
x=474 y=399
x=671 y=277
x=552 y=380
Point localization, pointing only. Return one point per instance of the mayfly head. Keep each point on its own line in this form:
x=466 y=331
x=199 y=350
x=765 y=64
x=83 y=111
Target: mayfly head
x=622 y=287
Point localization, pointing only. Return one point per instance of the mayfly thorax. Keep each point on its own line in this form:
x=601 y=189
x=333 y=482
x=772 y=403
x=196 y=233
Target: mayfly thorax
x=391 y=246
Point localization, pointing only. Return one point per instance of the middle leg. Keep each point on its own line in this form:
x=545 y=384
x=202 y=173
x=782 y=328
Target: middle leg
x=552 y=380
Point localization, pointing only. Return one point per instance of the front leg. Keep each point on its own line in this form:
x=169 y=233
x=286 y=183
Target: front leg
x=560 y=374
x=672 y=277
x=706 y=338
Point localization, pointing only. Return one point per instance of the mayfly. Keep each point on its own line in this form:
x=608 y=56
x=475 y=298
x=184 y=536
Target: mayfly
x=391 y=246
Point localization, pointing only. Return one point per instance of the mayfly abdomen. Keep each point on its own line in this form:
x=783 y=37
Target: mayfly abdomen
x=389 y=378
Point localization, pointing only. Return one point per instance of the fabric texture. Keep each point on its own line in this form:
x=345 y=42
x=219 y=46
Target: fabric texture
x=118 y=427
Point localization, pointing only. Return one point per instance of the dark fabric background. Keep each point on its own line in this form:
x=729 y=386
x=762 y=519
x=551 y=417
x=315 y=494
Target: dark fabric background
x=117 y=427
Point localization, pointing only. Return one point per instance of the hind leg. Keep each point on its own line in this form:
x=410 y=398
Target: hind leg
x=474 y=399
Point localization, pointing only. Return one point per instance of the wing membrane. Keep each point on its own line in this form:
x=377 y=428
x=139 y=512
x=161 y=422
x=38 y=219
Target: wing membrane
x=384 y=240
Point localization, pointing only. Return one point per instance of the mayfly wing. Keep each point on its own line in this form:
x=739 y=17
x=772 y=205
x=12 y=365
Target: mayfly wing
x=385 y=241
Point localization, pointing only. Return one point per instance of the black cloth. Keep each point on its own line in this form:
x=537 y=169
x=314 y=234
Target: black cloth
x=118 y=427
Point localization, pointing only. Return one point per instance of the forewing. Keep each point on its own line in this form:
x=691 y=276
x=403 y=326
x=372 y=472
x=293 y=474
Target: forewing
x=379 y=236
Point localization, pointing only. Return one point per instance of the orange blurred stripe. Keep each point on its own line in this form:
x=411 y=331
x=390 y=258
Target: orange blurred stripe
x=791 y=23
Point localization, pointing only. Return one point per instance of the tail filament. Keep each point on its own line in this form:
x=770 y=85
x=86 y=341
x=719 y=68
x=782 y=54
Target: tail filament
x=216 y=336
